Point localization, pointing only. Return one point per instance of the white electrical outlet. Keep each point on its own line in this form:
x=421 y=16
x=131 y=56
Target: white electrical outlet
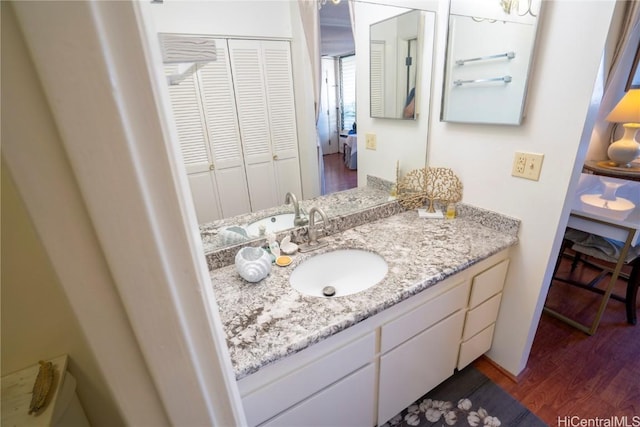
x=371 y=143
x=519 y=163
x=527 y=165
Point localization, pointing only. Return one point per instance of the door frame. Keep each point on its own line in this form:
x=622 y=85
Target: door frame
x=99 y=68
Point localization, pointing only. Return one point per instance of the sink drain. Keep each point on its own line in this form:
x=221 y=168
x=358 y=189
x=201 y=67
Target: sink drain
x=328 y=291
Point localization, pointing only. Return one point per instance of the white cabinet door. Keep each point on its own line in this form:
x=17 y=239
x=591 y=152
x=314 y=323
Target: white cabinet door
x=476 y=346
x=282 y=115
x=377 y=78
x=205 y=196
x=216 y=92
x=286 y=390
x=488 y=283
x=194 y=145
x=328 y=117
x=205 y=114
x=236 y=121
x=482 y=316
x=187 y=112
x=263 y=84
x=418 y=365
x=349 y=402
x=248 y=69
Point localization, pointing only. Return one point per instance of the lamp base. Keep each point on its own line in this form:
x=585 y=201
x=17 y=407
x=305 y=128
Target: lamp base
x=623 y=151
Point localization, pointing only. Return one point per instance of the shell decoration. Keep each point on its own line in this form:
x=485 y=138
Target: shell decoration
x=253 y=264
x=42 y=387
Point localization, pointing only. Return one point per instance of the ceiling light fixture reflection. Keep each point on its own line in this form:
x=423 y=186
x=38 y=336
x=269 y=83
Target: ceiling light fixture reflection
x=323 y=2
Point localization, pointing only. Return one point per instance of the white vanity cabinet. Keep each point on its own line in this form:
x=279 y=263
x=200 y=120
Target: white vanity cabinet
x=412 y=364
x=348 y=402
x=371 y=371
x=300 y=387
x=484 y=304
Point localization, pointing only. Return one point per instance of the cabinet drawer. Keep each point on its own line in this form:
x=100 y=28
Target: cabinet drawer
x=285 y=392
x=415 y=367
x=488 y=283
x=423 y=316
x=475 y=347
x=481 y=316
x=349 y=402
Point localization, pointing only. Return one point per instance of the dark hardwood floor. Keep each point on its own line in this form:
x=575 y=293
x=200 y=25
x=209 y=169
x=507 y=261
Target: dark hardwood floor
x=571 y=374
x=336 y=175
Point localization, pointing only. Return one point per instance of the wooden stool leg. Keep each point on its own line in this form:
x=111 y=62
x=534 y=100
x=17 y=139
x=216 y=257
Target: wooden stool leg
x=632 y=293
x=576 y=260
x=563 y=247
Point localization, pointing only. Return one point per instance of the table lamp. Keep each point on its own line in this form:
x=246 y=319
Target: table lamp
x=623 y=151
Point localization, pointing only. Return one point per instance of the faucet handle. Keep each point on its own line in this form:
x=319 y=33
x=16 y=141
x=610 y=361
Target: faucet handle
x=300 y=221
x=323 y=227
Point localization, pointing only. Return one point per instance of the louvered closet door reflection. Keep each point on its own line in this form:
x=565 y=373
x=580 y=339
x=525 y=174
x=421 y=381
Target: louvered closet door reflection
x=282 y=119
x=251 y=100
x=189 y=118
x=216 y=91
x=377 y=78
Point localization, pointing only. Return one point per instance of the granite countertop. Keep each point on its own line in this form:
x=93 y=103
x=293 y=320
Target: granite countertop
x=345 y=209
x=338 y=204
x=269 y=320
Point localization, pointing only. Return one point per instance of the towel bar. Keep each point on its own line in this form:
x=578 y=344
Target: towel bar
x=508 y=55
x=506 y=79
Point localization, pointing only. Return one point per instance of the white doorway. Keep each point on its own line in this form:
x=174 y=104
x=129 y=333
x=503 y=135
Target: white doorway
x=328 y=118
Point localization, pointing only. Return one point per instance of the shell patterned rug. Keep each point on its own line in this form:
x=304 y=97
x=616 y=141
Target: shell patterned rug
x=468 y=398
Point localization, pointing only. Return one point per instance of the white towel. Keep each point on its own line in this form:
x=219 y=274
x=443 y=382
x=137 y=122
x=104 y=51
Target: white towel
x=599 y=247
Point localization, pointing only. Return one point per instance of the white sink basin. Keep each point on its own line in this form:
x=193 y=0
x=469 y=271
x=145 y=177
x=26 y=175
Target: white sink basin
x=347 y=271
x=272 y=224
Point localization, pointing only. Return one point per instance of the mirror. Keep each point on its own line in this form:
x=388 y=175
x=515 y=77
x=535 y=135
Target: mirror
x=490 y=47
x=274 y=21
x=394 y=47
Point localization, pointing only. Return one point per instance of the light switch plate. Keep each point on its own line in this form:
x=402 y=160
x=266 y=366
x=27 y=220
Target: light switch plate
x=371 y=143
x=527 y=165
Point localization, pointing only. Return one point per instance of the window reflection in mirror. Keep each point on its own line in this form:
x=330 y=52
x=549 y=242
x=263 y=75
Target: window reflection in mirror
x=393 y=66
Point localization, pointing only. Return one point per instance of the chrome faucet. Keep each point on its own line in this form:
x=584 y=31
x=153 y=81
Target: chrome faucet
x=313 y=233
x=297 y=218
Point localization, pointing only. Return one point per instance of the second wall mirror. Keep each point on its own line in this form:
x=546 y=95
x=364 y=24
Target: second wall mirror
x=490 y=46
x=394 y=62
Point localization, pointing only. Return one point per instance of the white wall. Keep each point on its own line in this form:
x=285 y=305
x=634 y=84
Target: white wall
x=560 y=87
x=37 y=321
x=224 y=18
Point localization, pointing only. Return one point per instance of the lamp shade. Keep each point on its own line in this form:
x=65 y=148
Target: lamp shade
x=628 y=109
x=623 y=151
